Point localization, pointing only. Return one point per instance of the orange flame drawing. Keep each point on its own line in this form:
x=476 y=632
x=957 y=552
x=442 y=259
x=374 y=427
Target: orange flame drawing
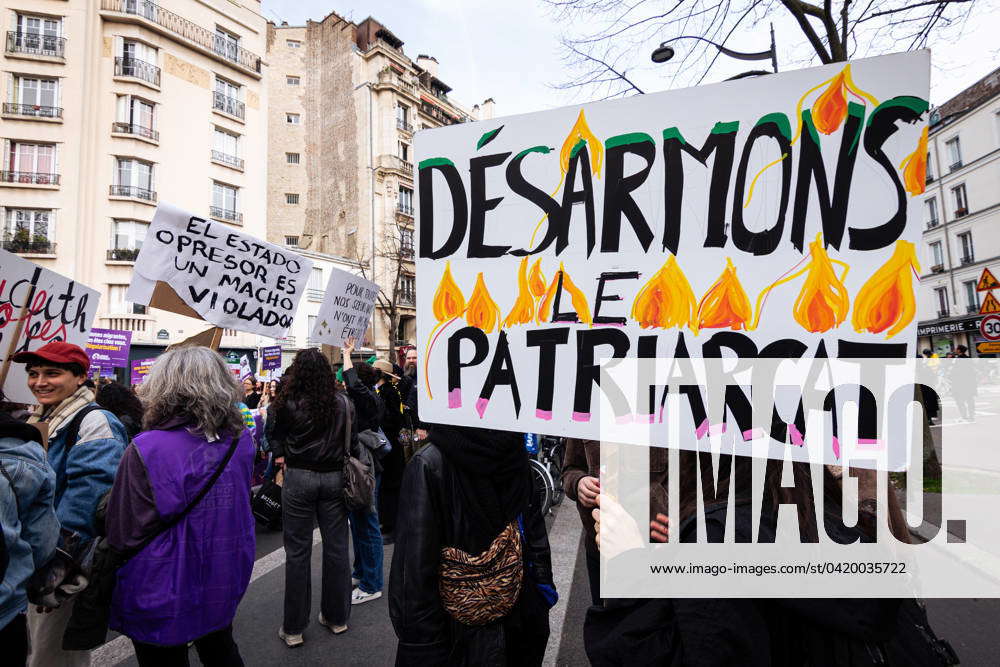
x=448 y=299
x=580 y=132
x=725 y=304
x=576 y=296
x=666 y=300
x=536 y=279
x=482 y=311
x=523 y=310
x=830 y=109
x=823 y=301
x=886 y=300
x=914 y=167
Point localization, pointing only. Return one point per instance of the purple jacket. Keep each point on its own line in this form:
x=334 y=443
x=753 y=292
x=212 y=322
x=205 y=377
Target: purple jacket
x=187 y=582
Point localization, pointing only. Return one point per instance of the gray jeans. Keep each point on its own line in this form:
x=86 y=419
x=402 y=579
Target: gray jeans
x=307 y=498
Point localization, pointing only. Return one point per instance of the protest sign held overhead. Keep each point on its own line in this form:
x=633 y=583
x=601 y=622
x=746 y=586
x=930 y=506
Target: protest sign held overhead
x=38 y=306
x=346 y=310
x=108 y=348
x=228 y=278
x=140 y=369
x=776 y=217
x=270 y=358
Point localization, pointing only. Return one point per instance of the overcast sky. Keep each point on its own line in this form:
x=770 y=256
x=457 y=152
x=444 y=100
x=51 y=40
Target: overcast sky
x=509 y=49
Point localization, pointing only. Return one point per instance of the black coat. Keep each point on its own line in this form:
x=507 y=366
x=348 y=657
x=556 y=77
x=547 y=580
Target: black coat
x=431 y=517
x=307 y=444
x=367 y=403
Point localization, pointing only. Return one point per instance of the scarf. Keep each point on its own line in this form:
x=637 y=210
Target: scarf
x=62 y=413
x=494 y=483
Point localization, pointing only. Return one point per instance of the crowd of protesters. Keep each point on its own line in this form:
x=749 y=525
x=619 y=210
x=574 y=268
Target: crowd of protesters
x=132 y=511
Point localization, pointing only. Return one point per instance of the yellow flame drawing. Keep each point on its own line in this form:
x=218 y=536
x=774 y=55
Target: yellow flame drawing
x=482 y=311
x=448 y=299
x=577 y=297
x=725 y=304
x=536 y=279
x=581 y=132
x=823 y=301
x=886 y=301
x=914 y=167
x=523 y=310
x=666 y=300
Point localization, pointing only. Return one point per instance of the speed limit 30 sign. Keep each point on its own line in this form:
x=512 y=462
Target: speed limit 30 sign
x=990 y=327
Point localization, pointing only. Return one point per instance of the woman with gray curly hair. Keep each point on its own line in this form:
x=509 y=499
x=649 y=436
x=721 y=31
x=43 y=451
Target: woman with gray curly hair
x=194 y=460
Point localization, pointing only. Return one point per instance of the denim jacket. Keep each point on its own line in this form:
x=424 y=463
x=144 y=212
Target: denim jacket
x=27 y=516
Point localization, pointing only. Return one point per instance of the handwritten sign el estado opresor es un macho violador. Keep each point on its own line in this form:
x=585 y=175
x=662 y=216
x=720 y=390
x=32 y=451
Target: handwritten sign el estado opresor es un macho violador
x=763 y=217
x=59 y=309
x=231 y=279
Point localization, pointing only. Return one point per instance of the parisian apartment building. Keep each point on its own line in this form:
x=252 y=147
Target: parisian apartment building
x=961 y=234
x=111 y=106
x=345 y=102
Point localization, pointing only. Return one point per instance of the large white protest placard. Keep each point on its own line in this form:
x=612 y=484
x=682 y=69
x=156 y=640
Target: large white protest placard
x=346 y=310
x=231 y=279
x=713 y=221
x=60 y=309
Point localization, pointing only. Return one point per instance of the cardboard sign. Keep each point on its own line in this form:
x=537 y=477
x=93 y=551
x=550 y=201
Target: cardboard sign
x=270 y=358
x=108 y=348
x=748 y=218
x=228 y=278
x=38 y=306
x=987 y=281
x=140 y=369
x=246 y=371
x=346 y=309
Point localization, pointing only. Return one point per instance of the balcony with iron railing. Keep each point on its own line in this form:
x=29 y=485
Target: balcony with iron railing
x=404 y=126
x=396 y=163
x=228 y=105
x=31 y=110
x=972 y=308
x=227 y=160
x=36 y=246
x=29 y=178
x=133 y=192
x=406 y=299
x=162 y=20
x=122 y=254
x=943 y=314
x=440 y=116
x=225 y=214
x=135 y=130
x=138 y=69
x=35 y=44
x=955 y=166
x=406 y=250
x=968 y=259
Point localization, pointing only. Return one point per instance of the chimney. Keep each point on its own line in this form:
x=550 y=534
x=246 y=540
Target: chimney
x=487 y=109
x=284 y=24
x=428 y=63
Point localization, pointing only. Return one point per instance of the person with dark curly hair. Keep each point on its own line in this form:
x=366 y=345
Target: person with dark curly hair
x=122 y=403
x=309 y=424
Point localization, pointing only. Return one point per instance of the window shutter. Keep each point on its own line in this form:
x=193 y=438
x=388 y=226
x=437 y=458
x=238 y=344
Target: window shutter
x=121 y=112
x=11 y=89
x=7 y=154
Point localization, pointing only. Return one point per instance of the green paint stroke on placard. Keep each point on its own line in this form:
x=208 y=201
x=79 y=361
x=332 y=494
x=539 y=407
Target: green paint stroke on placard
x=857 y=110
x=807 y=121
x=577 y=147
x=674 y=133
x=534 y=149
x=435 y=162
x=726 y=128
x=488 y=137
x=630 y=138
x=779 y=119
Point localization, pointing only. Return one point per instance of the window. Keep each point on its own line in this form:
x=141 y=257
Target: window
x=292 y=241
x=954 y=153
x=36 y=96
x=405 y=200
x=971 y=296
x=402 y=113
x=227 y=88
x=227 y=98
x=406 y=241
x=126 y=238
x=942 y=298
x=937 y=255
x=292 y=118
x=316 y=278
x=292 y=80
x=30 y=160
x=227 y=44
x=134 y=177
x=931 y=212
x=225 y=198
x=136 y=116
x=29 y=230
x=407 y=289
x=404 y=152
x=930 y=169
x=40 y=35
x=961 y=203
x=291 y=198
x=292 y=158
x=311 y=323
x=119 y=306
x=138 y=51
x=965 y=241
x=293 y=43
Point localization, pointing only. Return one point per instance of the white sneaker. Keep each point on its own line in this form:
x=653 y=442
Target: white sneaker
x=291 y=641
x=335 y=629
x=360 y=597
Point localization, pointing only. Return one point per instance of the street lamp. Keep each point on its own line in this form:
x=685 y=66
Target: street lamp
x=665 y=52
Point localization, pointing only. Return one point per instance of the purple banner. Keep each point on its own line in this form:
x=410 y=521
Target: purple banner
x=140 y=369
x=108 y=348
x=270 y=358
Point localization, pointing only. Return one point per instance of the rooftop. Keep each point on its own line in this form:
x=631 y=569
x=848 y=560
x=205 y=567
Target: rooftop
x=969 y=99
